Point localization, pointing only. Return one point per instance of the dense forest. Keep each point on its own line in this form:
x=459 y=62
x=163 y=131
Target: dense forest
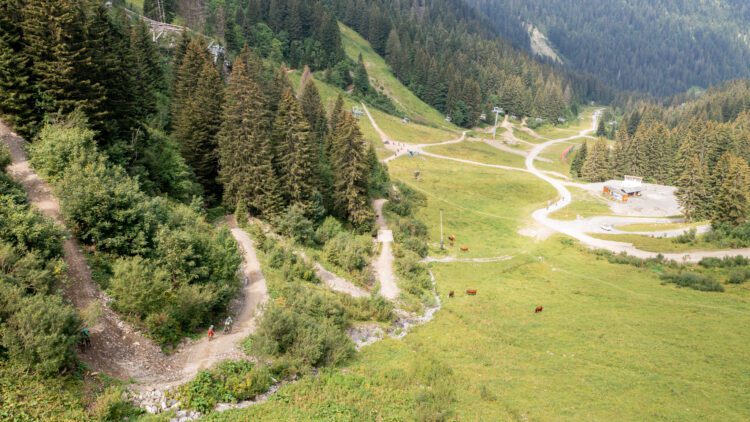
x=138 y=145
x=445 y=52
x=658 y=47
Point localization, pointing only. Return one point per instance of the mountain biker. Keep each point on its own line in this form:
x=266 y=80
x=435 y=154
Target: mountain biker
x=85 y=337
x=211 y=332
x=228 y=324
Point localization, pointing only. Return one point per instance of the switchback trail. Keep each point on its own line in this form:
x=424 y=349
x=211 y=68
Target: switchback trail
x=116 y=348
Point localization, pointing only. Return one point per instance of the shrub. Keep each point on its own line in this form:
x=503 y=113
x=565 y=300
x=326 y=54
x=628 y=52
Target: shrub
x=688 y=236
x=738 y=276
x=59 y=146
x=694 y=281
x=349 y=252
x=28 y=230
x=230 y=381
x=113 y=406
x=4 y=157
x=728 y=261
x=413 y=273
x=308 y=327
x=294 y=224
x=42 y=334
x=330 y=228
x=138 y=287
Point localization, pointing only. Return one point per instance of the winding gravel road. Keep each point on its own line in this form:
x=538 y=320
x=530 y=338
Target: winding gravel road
x=574 y=230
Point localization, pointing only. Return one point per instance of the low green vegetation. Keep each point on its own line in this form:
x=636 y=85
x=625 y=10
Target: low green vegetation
x=479 y=152
x=411 y=132
x=228 y=382
x=662 y=244
x=584 y=204
x=411 y=237
x=305 y=325
x=167 y=269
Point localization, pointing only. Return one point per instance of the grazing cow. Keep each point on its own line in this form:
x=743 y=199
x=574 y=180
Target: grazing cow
x=464 y=249
x=471 y=292
x=451 y=294
x=538 y=309
x=452 y=238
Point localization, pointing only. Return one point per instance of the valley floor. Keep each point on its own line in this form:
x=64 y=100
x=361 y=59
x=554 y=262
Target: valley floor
x=612 y=343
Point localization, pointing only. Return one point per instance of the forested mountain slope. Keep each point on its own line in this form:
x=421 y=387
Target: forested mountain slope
x=660 y=47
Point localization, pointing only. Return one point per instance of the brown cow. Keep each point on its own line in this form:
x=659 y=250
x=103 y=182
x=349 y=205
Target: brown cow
x=471 y=292
x=452 y=238
x=451 y=294
x=464 y=249
x=538 y=309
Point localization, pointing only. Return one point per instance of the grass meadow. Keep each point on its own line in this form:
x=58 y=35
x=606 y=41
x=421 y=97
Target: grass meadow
x=613 y=342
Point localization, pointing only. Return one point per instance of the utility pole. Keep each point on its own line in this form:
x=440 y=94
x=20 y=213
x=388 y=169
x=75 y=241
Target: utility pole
x=441 y=229
x=497 y=111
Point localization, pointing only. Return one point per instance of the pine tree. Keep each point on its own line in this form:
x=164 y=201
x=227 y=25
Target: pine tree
x=55 y=41
x=577 y=164
x=732 y=202
x=351 y=172
x=245 y=168
x=113 y=68
x=597 y=167
x=187 y=75
x=692 y=193
x=17 y=99
x=147 y=69
x=361 y=78
x=601 y=129
x=295 y=149
x=196 y=126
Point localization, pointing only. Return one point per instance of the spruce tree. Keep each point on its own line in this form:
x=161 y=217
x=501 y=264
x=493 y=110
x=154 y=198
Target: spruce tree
x=54 y=33
x=245 y=168
x=597 y=166
x=577 y=164
x=692 y=194
x=313 y=110
x=601 y=129
x=732 y=202
x=297 y=154
x=196 y=126
x=351 y=172
x=187 y=75
x=16 y=85
x=361 y=78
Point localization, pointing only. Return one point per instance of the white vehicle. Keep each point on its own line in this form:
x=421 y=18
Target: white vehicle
x=606 y=227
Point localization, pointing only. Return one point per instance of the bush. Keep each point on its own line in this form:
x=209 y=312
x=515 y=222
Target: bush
x=4 y=157
x=694 y=281
x=42 y=334
x=688 y=236
x=330 y=228
x=352 y=253
x=728 y=261
x=230 y=381
x=413 y=273
x=113 y=406
x=28 y=230
x=294 y=224
x=308 y=327
x=738 y=276
x=59 y=146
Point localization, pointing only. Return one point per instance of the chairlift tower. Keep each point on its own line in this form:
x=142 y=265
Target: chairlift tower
x=497 y=111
